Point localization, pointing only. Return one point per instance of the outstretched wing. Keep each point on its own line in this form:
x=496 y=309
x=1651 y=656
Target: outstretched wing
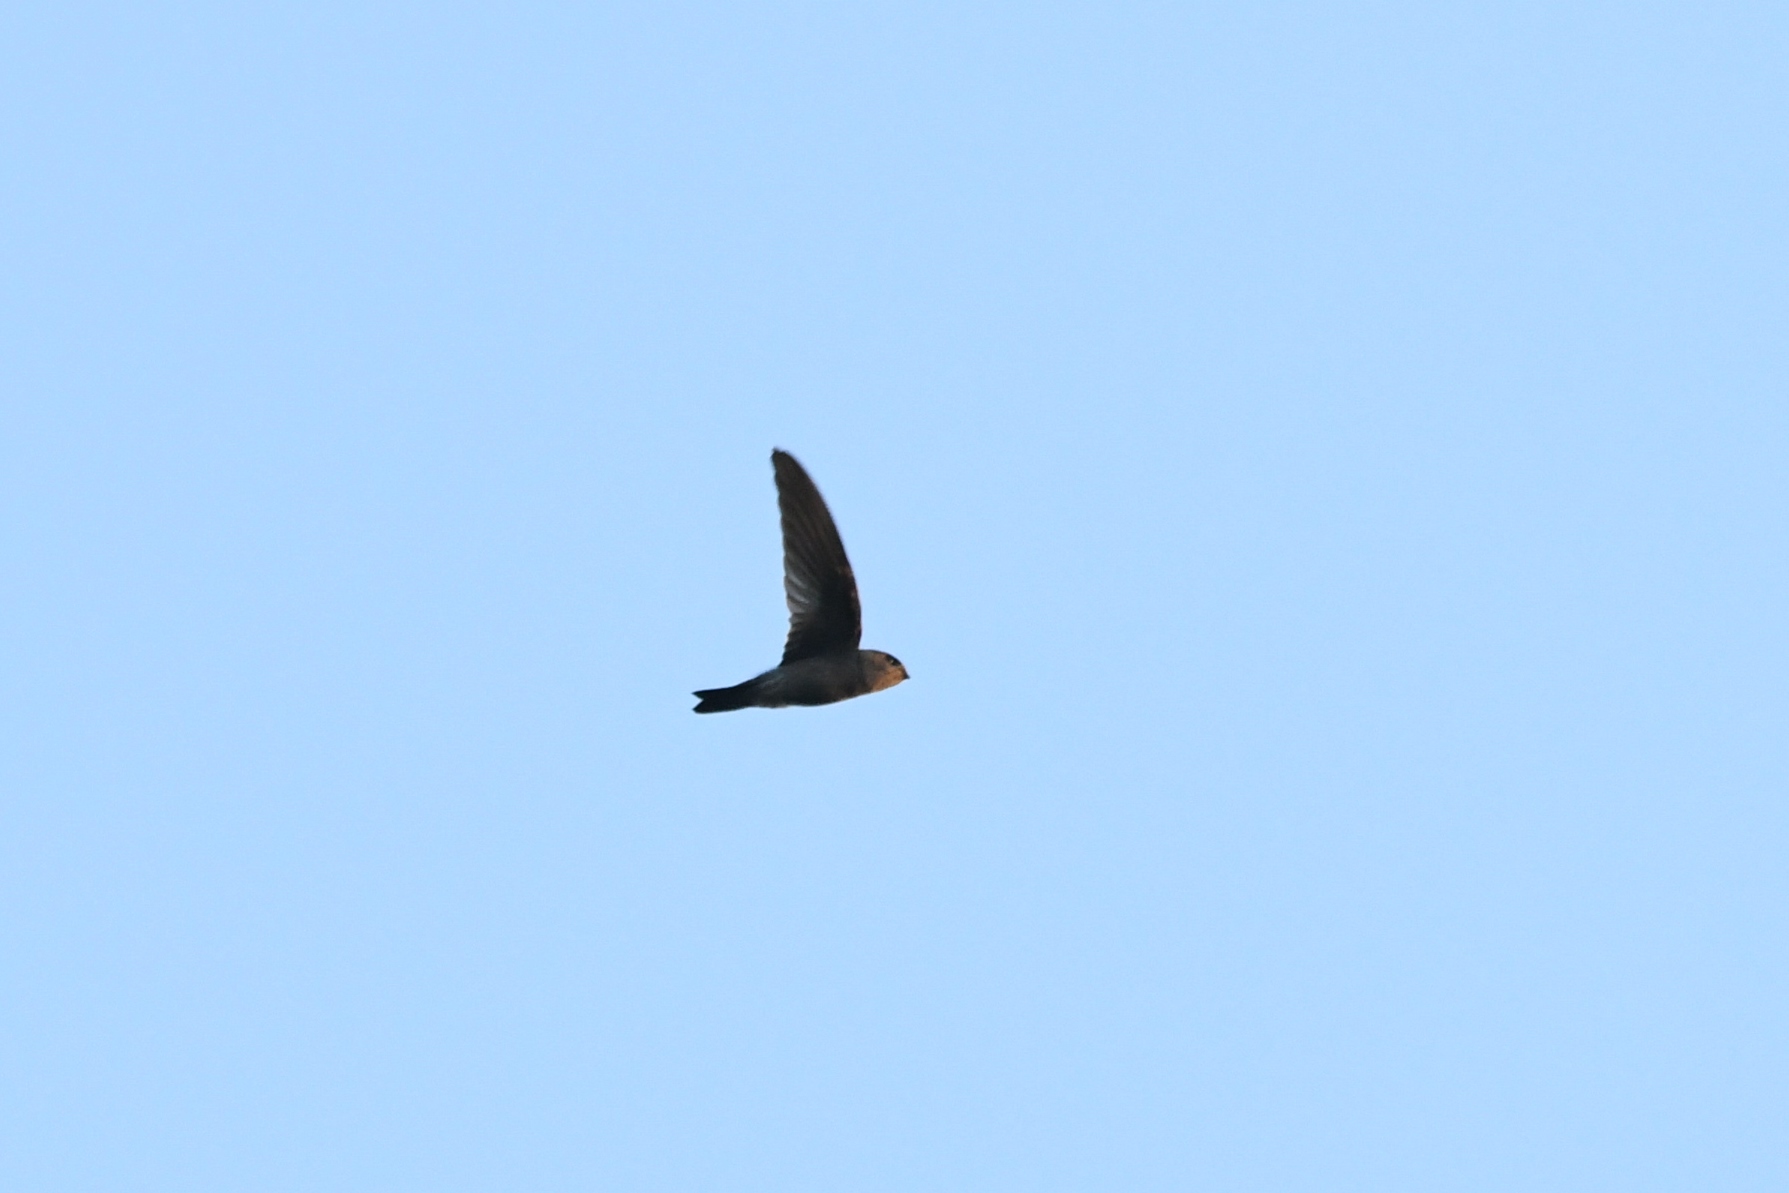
x=824 y=616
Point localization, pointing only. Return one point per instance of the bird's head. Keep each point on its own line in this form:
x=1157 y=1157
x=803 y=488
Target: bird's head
x=882 y=669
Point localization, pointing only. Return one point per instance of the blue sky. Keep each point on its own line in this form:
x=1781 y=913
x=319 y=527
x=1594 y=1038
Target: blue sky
x=1323 y=466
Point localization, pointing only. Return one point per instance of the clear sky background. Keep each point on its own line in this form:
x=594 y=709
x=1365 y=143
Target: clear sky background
x=1323 y=465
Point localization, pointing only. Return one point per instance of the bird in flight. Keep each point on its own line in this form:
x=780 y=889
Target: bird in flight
x=821 y=662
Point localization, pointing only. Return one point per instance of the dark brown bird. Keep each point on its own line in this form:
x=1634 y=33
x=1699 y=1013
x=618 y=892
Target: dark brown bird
x=821 y=662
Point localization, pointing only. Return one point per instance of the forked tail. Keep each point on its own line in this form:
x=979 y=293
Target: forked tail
x=727 y=699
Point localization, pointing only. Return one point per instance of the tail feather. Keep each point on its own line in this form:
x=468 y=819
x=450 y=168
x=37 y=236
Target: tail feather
x=727 y=699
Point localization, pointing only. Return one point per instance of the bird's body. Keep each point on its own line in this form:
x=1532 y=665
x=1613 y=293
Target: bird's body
x=826 y=679
x=821 y=660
